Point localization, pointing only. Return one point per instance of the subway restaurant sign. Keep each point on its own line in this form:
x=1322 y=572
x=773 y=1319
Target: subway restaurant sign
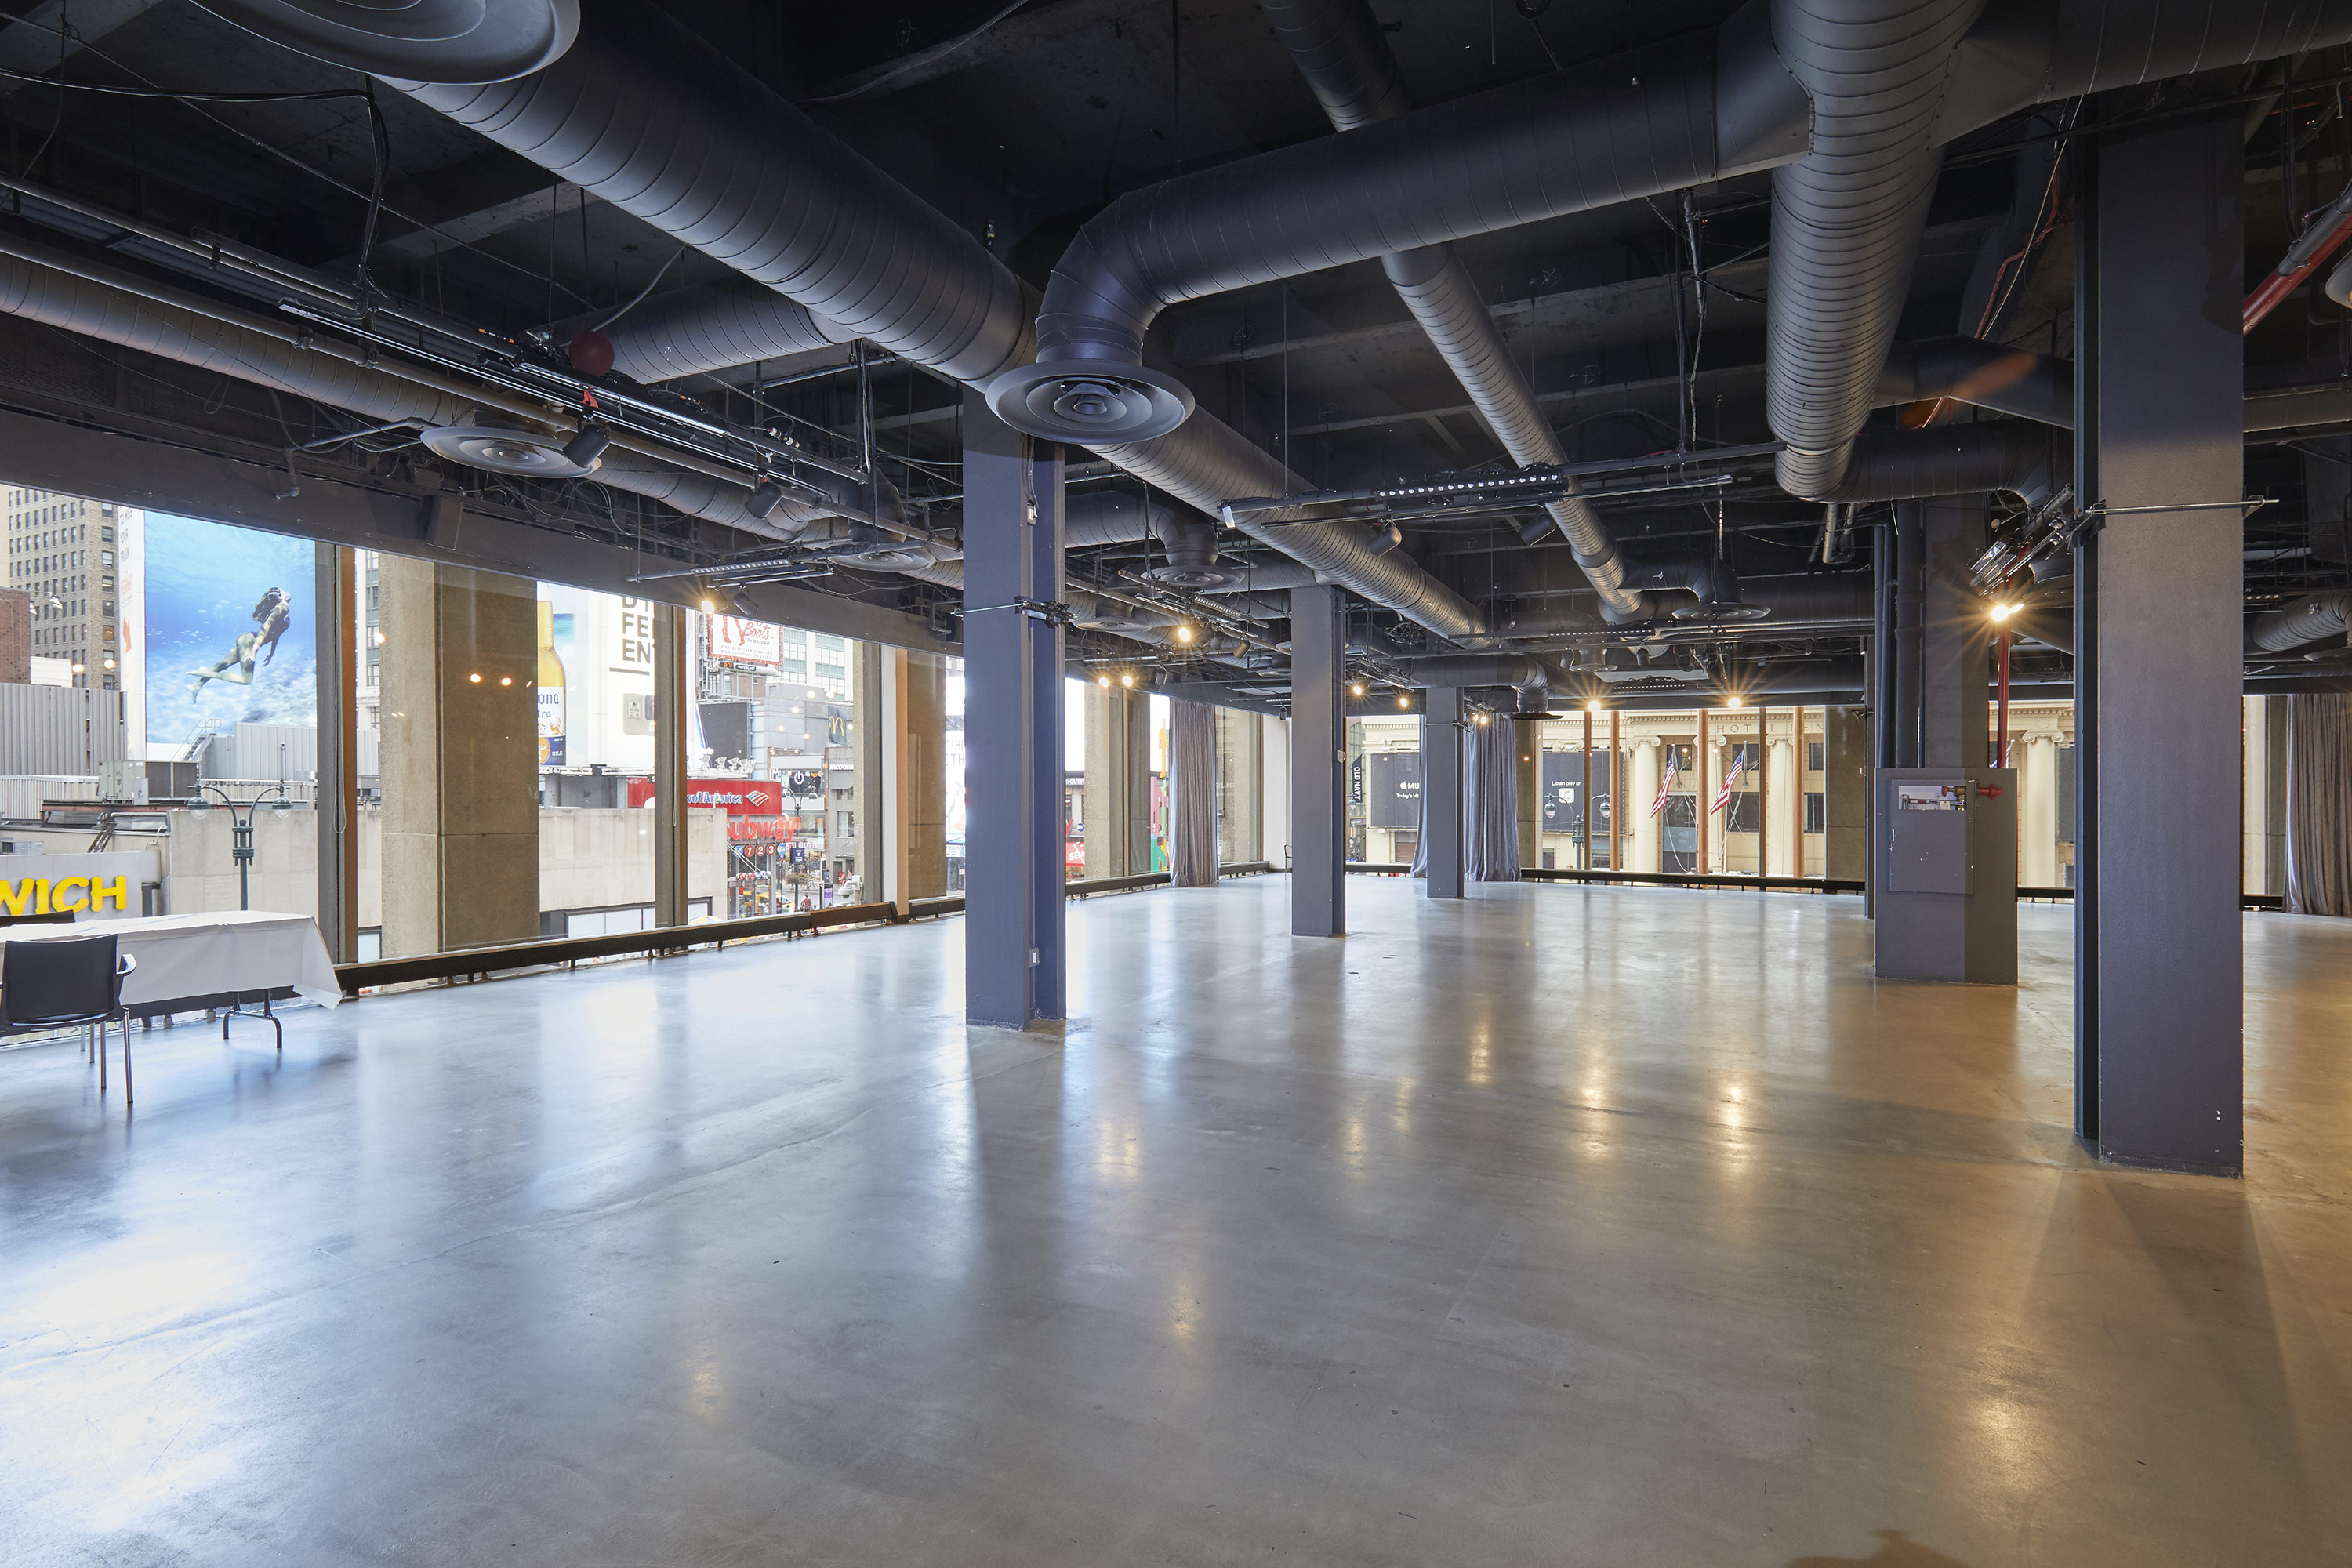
x=87 y=886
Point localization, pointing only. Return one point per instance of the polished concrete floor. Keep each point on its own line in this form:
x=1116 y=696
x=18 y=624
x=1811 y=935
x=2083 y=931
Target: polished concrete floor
x=1554 y=1226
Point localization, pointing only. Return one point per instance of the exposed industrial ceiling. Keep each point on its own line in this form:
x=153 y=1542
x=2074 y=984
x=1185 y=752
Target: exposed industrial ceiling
x=1639 y=327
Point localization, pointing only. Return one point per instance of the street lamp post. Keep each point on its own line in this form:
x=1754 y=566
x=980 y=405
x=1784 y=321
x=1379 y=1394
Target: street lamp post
x=240 y=816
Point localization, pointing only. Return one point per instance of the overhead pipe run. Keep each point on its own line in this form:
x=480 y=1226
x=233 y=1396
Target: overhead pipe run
x=642 y=115
x=1348 y=64
x=1636 y=124
x=97 y=302
x=1892 y=82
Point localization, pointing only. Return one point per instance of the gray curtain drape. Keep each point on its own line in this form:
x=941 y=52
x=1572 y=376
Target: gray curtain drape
x=1490 y=804
x=1192 y=803
x=2318 y=815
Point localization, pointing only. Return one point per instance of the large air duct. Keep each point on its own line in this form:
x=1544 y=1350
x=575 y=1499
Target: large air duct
x=2032 y=461
x=1636 y=124
x=1892 y=82
x=2309 y=619
x=643 y=116
x=1348 y=66
x=707 y=327
x=1987 y=375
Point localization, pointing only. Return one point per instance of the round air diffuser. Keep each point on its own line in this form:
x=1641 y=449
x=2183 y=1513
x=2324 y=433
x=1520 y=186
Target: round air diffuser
x=1198 y=579
x=506 y=450
x=458 y=42
x=1093 y=402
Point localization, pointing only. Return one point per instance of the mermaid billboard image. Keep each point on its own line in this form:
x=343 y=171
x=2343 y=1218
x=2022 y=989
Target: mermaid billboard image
x=229 y=639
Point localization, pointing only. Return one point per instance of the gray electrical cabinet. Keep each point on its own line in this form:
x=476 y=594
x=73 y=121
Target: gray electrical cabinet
x=1945 y=861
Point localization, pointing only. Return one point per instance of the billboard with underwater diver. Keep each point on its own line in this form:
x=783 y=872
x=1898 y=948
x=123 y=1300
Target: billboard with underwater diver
x=228 y=633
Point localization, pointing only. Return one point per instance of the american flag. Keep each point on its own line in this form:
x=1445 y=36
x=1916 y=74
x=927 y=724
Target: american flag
x=1674 y=763
x=1723 y=795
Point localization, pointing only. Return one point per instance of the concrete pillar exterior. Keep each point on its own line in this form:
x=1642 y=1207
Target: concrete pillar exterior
x=459 y=758
x=923 y=773
x=1241 y=788
x=1274 y=768
x=1647 y=841
x=2037 y=812
x=2255 y=796
x=1118 y=782
x=669 y=765
x=1786 y=802
x=1845 y=794
x=1527 y=778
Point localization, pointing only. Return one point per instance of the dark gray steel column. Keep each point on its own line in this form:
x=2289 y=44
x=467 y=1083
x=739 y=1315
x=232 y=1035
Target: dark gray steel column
x=1955 y=641
x=1013 y=743
x=1318 y=762
x=1048 y=862
x=1441 y=791
x=2159 y=631
x=1910 y=563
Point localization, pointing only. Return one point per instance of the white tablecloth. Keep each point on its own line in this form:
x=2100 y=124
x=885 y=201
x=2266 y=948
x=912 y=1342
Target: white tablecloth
x=203 y=955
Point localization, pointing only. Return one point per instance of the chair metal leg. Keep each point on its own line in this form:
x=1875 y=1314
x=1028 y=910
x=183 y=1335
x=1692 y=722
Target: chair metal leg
x=101 y=1063
x=126 y=1057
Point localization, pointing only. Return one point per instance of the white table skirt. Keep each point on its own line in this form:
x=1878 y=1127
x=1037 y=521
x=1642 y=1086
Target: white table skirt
x=206 y=954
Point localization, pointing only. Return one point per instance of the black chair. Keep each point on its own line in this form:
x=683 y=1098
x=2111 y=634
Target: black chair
x=52 y=984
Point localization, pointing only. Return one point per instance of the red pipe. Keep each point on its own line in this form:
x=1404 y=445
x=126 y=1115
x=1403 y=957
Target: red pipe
x=2319 y=243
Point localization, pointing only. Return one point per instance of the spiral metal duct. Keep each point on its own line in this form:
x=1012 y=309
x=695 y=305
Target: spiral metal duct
x=2305 y=620
x=1633 y=125
x=1348 y=66
x=1891 y=81
x=692 y=331
x=136 y=314
x=646 y=118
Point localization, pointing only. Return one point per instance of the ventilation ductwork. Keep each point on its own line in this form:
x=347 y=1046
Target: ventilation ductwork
x=429 y=40
x=1206 y=464
x=98 y=301
x=1531 y=679
x=2030 y=460
x=2309 y=619
x=1836 y=598
x=648 y=119
x=1348 y=66
x=643 y=116
x=1891 y=82
x=689 y=331
x=2006 y=380
x=1634 y=125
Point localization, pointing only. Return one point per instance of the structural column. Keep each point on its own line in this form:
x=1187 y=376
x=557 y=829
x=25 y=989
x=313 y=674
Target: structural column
x=1845 y=794
x=459 y=764
x=2037 y=813
x=923 y=778
x=1441 y=791
x=1012 y=725
x=1527 y=778
x=2158 y=635
x=337 y=803
x=1274 y=769
x=1647 y=850
x=1318 y=762
x=1782 y=793
x=1118 y=782
x=669 y=765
